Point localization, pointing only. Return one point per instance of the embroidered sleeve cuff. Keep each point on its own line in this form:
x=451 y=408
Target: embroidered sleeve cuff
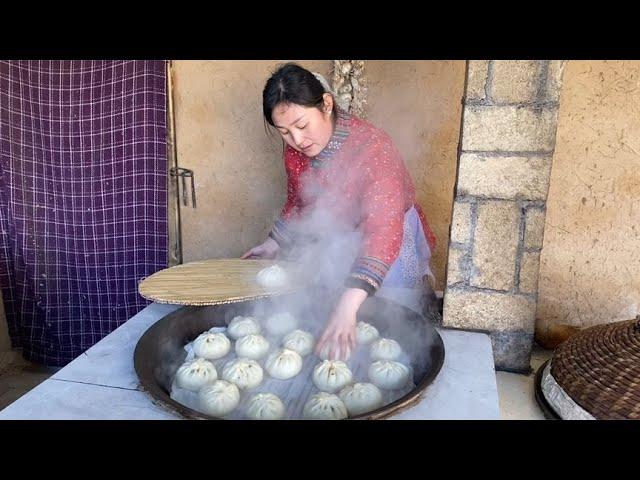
x=370 y=271
x=281 y=234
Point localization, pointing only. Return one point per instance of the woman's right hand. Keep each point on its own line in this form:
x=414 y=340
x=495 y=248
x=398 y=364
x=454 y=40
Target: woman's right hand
x=267 y=249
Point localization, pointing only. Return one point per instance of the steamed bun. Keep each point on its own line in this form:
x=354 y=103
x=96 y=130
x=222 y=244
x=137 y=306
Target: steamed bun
x=389 y=375
x=211 y=345
x=299 y=341
x=361 y=398
x=272 y=277
x=265 y=406
x=283 y=364
x=366 y=333
x=195 y=374
x=241 y=326
x=252 y=346
x=243 y=372
x=385 y=349
x=219 y=398
x=331 y=375
x=324 y=406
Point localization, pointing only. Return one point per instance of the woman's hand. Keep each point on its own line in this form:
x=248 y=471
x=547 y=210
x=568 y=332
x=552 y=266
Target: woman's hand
x=340 y=333
x=267 y=249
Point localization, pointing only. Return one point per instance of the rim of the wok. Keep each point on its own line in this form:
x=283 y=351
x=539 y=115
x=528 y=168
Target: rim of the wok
x=163 y=399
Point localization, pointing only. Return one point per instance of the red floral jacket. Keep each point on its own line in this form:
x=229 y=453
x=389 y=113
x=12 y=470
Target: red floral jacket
x=361 y=177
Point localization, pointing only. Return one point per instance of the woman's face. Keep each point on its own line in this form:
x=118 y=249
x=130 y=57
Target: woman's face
x=306 y=129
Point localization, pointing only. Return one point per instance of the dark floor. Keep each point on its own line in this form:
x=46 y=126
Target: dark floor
x=18 y=376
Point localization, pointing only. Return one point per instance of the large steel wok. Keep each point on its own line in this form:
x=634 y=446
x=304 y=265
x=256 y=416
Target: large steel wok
x=160 y=351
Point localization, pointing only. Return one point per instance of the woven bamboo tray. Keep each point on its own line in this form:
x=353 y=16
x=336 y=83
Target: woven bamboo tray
x=215 y=282
x=599 y=368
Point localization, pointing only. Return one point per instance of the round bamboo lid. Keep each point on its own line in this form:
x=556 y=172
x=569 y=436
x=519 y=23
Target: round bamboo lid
x=599 y=368
x=214 y=282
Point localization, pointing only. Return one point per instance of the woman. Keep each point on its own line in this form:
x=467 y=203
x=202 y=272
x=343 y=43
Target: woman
x=345 y=165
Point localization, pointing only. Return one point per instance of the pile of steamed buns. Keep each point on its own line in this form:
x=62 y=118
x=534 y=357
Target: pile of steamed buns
x=219 y=392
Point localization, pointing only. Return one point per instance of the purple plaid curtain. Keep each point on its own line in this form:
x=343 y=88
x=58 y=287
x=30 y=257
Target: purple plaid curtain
x=83 y=198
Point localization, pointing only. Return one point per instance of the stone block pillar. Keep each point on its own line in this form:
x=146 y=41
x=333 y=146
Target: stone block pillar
x=507 y=144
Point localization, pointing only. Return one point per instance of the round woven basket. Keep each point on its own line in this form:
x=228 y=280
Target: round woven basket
x=599 y=368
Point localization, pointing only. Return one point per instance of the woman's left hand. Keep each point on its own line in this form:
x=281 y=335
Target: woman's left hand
x=340 y=333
